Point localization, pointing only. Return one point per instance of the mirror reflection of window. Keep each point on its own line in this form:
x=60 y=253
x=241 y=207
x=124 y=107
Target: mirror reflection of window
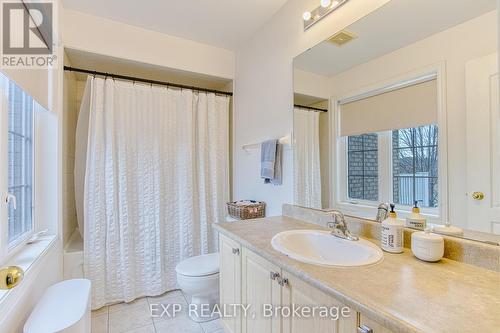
x=389 y=138
x=362 y=167
x=415 y=166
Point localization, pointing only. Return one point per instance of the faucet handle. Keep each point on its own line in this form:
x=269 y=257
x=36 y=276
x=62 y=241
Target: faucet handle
x=331 y=225
x=338 y=217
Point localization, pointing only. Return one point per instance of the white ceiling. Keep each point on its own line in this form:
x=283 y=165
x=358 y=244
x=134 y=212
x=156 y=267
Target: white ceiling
x=395 y=25
x=223 y=23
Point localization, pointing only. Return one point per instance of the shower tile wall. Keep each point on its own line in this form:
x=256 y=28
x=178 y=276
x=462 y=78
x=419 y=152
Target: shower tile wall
x=73 y=92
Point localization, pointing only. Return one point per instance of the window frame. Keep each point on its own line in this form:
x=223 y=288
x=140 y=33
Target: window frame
x=367 y=209
x=9 y=249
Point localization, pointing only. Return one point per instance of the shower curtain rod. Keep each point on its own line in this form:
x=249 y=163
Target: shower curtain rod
x=310 y=108
x=138 y=79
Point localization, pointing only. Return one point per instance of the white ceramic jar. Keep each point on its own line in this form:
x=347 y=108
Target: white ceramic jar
x=427 y=246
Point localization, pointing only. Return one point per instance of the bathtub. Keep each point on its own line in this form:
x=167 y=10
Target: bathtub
x=73 y=257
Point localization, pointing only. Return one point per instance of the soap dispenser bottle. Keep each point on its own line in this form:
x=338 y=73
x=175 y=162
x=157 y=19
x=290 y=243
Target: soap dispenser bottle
x=416 y=220
x=392 y=233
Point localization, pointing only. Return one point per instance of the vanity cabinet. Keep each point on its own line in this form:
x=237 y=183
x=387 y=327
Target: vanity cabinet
x=249 y=279
x=296 y=291
x=260 y=287
x=230 y=281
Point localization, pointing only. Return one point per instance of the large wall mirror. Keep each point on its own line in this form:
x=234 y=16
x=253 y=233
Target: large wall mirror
x=402 y=107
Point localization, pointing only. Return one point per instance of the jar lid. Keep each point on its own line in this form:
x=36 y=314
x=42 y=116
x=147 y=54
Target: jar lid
x=426 y=236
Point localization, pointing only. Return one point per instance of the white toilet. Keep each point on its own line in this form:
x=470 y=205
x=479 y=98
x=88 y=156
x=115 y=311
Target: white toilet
x=198 y=278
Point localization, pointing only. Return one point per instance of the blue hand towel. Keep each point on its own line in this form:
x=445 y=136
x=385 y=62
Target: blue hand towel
x=277 y=179
x=271 y=152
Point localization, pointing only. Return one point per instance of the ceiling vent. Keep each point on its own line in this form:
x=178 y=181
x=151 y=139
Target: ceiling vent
x=341 y=38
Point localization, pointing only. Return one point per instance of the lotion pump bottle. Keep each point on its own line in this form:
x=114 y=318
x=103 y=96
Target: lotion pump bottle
x=416 y=220
x=392 y=233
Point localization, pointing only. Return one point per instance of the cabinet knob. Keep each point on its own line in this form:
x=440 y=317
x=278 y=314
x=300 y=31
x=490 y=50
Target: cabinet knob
x=283 y=282
x=10 y=277
x=274 y=275
x=364 y=329
x=236 y=251
x=478 y=195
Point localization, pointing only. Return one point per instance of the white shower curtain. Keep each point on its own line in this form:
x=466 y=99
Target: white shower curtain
x=156 y=180
x=307 y=173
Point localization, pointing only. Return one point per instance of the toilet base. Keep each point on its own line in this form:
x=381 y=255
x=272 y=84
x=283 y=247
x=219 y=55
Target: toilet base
x=201 y=309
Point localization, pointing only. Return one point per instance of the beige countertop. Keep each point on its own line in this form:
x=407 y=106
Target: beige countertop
x=401 y=292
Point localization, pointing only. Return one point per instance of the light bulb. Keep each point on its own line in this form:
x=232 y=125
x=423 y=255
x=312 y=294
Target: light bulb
x=326 y=3
x=306 y=16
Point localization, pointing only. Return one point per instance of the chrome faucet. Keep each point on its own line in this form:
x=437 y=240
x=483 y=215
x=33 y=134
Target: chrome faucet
x=339 y=227
x=382 y=212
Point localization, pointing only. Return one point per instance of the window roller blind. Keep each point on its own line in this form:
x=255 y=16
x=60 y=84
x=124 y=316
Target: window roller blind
x=411 y=106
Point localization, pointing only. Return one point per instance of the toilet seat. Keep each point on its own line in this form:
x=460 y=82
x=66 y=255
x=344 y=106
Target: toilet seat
x=199 y=266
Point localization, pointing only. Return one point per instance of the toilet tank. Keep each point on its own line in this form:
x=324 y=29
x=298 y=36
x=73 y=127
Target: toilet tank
x=64 y=307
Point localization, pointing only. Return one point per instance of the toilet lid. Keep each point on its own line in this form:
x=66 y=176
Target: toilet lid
x=203 y=265
x=61 y=306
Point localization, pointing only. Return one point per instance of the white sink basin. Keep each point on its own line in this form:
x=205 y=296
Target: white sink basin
x=321 y=248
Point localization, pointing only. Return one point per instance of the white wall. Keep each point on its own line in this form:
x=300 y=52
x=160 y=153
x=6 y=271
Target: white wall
x=47 y=270
x=97 y=35
x=454 y=47
x=311 y=84
x=264 y=91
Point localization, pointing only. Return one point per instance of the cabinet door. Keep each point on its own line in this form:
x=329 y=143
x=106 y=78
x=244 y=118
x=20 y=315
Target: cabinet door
x=230 y=281
x=299 y=293
x=259 y=289
x=368 y=325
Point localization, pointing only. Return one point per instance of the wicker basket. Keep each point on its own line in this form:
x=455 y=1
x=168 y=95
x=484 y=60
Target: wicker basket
x=252 y=210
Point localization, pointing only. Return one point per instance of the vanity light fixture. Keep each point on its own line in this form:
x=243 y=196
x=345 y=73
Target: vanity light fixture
x=326 y=3
x=325 y=8
x=306 y=16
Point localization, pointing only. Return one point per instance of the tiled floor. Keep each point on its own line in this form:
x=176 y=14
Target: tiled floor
x=136 y=317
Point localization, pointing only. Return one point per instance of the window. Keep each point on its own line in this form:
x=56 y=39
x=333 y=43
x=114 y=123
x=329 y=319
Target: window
x=20 y=172
x=415 y=166
x=19 y=168
x=411 y=154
